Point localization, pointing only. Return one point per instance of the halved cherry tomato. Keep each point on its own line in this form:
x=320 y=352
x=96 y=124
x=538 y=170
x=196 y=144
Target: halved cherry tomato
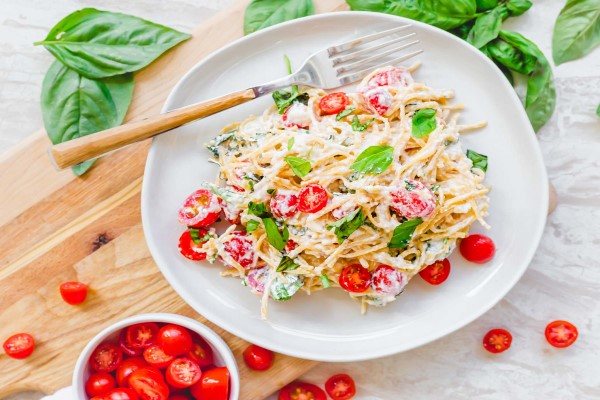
x=412 y=199
x=118 y=394
x=149 y=384
x=284 y=205
x=73 y=292
x=127 y=367
x=128 y=351
x=140 y=336
x=312 y=198
x=175 y=340
x=333 y=103
x=299 y=390
x=497 y=340
x=388 y=280
x=106 y=357
x=391 y=76
x=200 y=209
x=241 y=248
x=561 y=333
x=340 y=387
x=213 y=385
x=179 y=397
x=156 y=356
x=477 y=248
x=189 y=249
x=183 y=373
x=290 y=245
x=19 y=346
x=99 y=384
x=201 y=352
x=436 y=273
x=355 y=278
x=378 y=99
x=258 y=358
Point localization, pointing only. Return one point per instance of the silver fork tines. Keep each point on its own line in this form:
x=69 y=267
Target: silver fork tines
x=334 y=50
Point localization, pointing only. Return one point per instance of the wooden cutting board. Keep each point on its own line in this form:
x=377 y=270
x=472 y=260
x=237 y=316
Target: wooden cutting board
x=56 y=227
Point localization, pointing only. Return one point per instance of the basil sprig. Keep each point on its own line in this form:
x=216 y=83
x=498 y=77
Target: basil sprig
x=577 y=30
x=286 y=264
x=373 y=160
x=479 y=160
x=263 y=13
x=300 y=166
x=275 y=236
x=403 y=233
x=284 y=98
x=344 y=227
x=423 y=122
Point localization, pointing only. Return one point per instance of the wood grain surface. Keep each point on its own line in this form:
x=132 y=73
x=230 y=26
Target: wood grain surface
x=56 y=227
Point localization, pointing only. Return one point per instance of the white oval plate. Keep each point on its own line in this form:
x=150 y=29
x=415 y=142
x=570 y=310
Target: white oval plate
x=328 y=325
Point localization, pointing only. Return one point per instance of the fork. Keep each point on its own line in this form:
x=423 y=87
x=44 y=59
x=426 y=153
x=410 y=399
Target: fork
x=329 y=68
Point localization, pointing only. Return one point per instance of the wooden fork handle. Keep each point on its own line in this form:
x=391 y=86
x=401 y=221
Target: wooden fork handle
x=86 y=147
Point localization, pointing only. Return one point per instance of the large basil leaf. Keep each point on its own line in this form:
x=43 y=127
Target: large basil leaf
x=577 y=30
x=300 y=166
x=373 y=160
x=98 y=44
x=423 y=122
x=262 y=13
x=486 y=28
x=403 y=233
x=485 y=5
x=74 y=106
x=445 y=14
x=512 y=58
x=273 y=235
x=518 y=7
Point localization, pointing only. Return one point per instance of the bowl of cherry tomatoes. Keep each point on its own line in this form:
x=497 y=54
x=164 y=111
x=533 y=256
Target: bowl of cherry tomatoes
x=156 y=357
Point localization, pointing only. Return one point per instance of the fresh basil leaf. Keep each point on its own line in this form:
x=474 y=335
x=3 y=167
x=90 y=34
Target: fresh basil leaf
x=479 y=160
x=252 y=225
x=262 y=13
x=82 y=167
x=486 y=28
x=300 y=166
x=250 y=183
x=512 y=58
x=290 y=143
x=344 y=113
x=403 y=233
x=285 y=233
x=598 y=110
x=196 y=238
x=518 y=7
x=344 y=227
x=423 y=122
x=325 y=281
x=358 y=127
x=577 y=30
x=485 y=5
x=258 y=209
x=463 y=30
x=507 y=73
x=445 y=14
x=284 y=98
x=271 y=191
x=273 y=234
x=286 y=264
x=75 y=106
x=373 y=160
x=98 y=44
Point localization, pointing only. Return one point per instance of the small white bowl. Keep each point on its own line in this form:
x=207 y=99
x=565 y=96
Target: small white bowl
x=222 y=353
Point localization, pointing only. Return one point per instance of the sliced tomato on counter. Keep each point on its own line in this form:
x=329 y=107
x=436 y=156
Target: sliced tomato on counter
x=73 y=292
x=312 y=198
x=437 y=272
x=106 y=357
x=561 y=333
x=340 y=387
x=258 y=358
x=99 y=384
x=299 y=390
x=477 y=248
x=355 y=278
x=213 y=385
x=183 y=372
x=156 y=357
x=497 y=340
x=141 y=336
x=201 y=352
x=175 y=340
x=284 y=205
x=118 y=394
x=200 y=209
x=333 y=103
x=19 y=346
x=388 y=280
x=241 y=248
x=190 y=249
x=127 y=367
x=148 y=384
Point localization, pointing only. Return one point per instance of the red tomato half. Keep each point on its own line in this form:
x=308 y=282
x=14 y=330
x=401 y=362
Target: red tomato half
x=497 y=340
x=388 y=281
x=19 y=346
x=179 y=397
x=106 y=357
x=300 y=391
x=258 y=358
x=284 y=205
x=290 y=245
x=333 y=103
x=412 y=199
x=73 y=292
x=241 y=248
x=175 y=340
x=561 y=333
x=156 y=356
x=149 y=384
x=436 y=273
x=200 y=209
x=340 y=387
x=128 y=351
x=477 y=248
x=312 y=198
x=141 y=336
x=213 y=385
x=355 y=278
x=183 y=373
x=127 y=367
x=201 y=352
x=189 y=249
x=99 y=384
x=118 y=394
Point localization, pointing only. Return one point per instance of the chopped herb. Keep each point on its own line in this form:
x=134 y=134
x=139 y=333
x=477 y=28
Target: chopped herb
x=196 y=238
x=285 y=286
x=258 y=209
x=344 y=227
x=252 y=225
x=284 y=98
x=344 y=113
x=273 y=235
x=403 y=233
x=373 y=160
x=325 y=281
x=300 y=166
x=250 y=183
x=423 y=122
x=408 y=185
x=271 y=191
x=290 y=143
x=285 y=233
x=479 y=160
x=358 y=127
x=286 y=264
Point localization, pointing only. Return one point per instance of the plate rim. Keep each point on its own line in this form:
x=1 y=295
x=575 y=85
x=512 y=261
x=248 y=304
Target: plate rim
x=537 y=162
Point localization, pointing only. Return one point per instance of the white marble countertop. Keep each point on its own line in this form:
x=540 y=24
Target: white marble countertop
x=563 y=281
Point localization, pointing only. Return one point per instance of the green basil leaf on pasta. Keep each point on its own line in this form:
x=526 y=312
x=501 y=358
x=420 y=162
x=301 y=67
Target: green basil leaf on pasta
x=423 y=122
x=403 y=233
x=252 y=225
x=358 y=126
x=258 y=209
x=286 y=264
x=263 y=13
x=577 y=30
x=344 y=113
x=284 y=98
x=290 y=143
x=273 y=235
x=479 y=160
x=373 y=160
x=344 y=227
x=325 y=281
x=300 y=166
